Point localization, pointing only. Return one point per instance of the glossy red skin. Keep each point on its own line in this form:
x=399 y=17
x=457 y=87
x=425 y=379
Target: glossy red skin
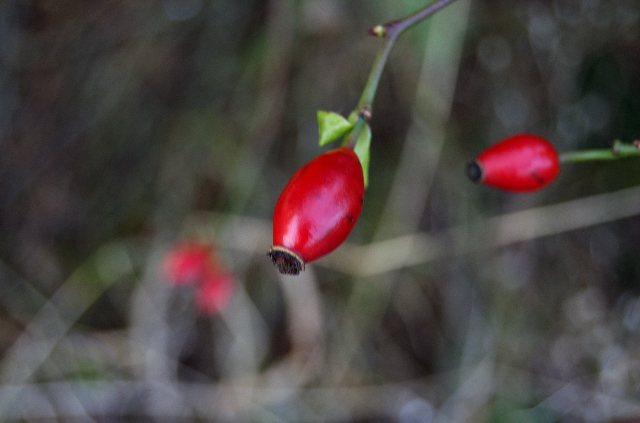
x=520 y=163
x=320 y=205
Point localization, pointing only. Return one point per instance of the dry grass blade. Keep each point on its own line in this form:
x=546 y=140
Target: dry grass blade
x=493 y=232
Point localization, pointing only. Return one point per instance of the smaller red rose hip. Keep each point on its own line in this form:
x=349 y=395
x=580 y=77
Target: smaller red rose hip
x=186 y=262
x=520 y=163
x=192 y=262
x=317 y=210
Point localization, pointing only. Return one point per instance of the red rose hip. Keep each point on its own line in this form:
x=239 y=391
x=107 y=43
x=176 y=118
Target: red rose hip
x=317 y=210
x=520 y=163
x=186 y=262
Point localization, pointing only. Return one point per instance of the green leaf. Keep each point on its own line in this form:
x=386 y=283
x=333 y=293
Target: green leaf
x=332 y=126
x=362 y=151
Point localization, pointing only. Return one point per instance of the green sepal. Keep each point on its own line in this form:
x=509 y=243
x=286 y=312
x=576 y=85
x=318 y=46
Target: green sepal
x=331 y=127
x=363 y=144
x=353 y=117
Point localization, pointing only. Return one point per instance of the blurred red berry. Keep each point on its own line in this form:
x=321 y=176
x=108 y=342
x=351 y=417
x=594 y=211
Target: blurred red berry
x=520 y=163
x=186 y=262
x=191 y=262
x=214 y=292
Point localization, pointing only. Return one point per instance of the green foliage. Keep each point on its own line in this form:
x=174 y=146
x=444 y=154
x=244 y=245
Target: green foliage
x=331 y=127
x=362 y=148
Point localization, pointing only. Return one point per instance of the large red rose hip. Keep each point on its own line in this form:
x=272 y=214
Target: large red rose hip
x=317 y=210
x=520 y=163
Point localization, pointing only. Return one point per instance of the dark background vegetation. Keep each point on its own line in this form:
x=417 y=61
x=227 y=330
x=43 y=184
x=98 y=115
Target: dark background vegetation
x=126 y=126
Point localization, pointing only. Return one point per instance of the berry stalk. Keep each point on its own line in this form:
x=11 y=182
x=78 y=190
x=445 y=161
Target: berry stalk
x=619 y=150
x=390 y=31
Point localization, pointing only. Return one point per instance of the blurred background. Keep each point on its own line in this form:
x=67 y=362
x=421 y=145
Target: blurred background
x=128 y=127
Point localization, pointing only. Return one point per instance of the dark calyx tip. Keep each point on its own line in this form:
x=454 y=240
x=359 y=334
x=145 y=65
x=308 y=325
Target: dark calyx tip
x=474 y=171
x=286 y=260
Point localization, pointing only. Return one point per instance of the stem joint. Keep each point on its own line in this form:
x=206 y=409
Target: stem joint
x=365 y=111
